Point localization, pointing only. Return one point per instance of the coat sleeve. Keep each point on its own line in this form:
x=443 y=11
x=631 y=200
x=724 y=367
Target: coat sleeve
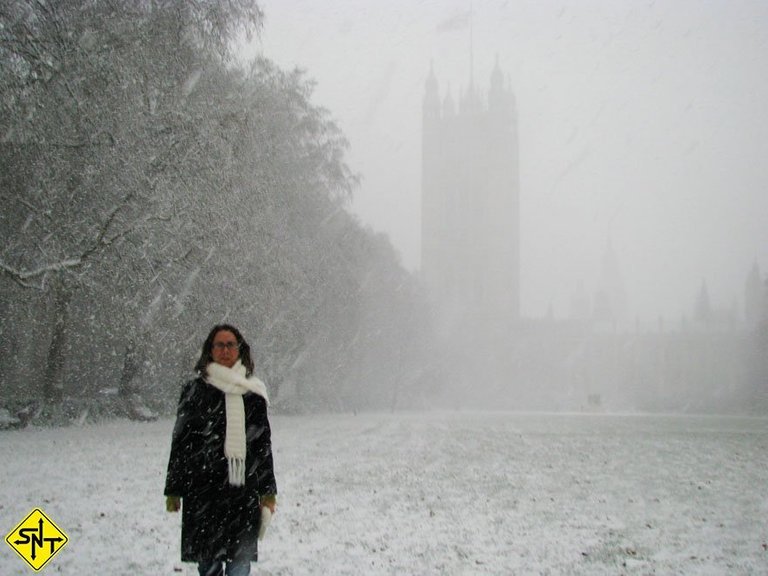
x=178 y=475
x=265 y=470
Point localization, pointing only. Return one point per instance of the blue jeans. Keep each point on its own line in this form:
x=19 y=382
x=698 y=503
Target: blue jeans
x=215 y=568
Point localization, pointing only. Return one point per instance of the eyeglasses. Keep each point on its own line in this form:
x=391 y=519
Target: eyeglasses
x=221 y=346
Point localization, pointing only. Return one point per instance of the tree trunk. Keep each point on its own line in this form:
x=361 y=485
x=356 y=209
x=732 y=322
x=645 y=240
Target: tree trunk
x=131 y=362
x=129 y=396
x=53 y=378
x=5 y=342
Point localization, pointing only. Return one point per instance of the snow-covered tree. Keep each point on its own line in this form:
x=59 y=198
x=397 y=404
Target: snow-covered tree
x=93 y=128
x=151 y=189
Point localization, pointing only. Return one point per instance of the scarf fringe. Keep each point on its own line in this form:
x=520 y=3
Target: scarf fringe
x=237 y=471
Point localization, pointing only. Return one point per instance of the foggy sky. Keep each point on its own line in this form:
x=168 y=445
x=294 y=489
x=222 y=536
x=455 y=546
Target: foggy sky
x=640 y=123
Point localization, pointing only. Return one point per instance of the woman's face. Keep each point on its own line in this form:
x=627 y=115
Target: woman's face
x=225 y=350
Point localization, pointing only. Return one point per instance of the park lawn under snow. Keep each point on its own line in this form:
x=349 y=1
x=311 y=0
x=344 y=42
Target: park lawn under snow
x=433 y=493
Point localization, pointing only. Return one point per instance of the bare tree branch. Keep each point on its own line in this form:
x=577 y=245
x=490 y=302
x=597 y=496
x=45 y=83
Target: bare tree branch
x=22 y=277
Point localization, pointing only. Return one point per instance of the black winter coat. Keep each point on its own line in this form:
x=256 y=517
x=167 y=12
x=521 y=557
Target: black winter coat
x=218 y=520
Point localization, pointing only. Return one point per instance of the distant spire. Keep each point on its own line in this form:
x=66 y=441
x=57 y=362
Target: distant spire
x=497 y=78
x=498 y=100
x=431 y=79
x=431 y=97
x=449 y=108
x=471 y=100
x=702 y=311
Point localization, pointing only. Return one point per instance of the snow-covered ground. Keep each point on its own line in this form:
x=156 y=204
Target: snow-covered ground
x=436 y=493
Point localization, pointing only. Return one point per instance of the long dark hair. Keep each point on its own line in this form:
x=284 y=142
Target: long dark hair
x=244 y=349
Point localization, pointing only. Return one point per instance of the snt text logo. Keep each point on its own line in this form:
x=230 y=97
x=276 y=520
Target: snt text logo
x=36 y=539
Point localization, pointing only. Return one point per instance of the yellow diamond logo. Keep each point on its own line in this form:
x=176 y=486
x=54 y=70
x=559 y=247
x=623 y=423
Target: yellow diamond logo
x=36 y=539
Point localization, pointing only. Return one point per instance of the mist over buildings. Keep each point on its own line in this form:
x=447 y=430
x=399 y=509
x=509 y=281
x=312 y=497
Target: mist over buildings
x=641 y=127
x=502 y=205
x=579 y=187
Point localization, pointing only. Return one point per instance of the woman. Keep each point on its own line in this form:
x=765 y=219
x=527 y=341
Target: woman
x=221 y=458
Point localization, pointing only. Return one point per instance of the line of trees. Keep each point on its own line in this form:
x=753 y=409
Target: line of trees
x=150 y=188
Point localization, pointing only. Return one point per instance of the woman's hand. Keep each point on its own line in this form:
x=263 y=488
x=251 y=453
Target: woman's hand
x=269 y=501
x=172 y=503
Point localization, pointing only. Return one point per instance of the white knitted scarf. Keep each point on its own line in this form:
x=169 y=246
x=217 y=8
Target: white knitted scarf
x=234 y=384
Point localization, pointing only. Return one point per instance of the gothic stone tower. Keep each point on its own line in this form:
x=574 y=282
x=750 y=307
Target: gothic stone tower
x=470 y=223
